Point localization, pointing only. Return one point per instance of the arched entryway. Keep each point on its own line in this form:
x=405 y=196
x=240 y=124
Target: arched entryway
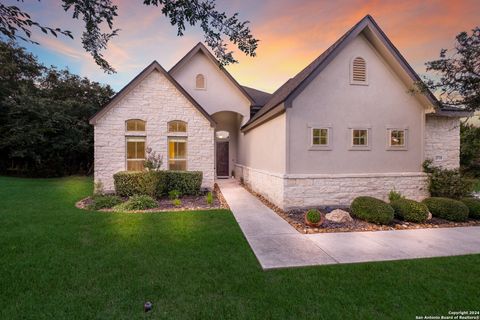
x=226 y=142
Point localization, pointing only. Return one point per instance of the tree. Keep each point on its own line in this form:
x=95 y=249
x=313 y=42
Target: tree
x=456 y=75
x=44 y=114
x=17 y=24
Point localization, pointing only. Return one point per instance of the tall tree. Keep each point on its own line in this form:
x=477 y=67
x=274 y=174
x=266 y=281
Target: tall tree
x=18 y=24
x=456 y=74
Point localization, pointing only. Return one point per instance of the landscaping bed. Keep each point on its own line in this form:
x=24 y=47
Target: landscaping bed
x=296 y=218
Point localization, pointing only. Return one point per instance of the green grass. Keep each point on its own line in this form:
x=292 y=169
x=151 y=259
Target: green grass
x=61 y=262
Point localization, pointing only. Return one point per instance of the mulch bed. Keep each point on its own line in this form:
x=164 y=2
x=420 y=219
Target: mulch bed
x=297 y=220
x=165 y=204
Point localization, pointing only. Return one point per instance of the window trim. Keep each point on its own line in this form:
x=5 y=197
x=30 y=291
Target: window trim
x=134 y=138
x=358 y=83
x=319 y=147
x=183 y=139
x=177 y=133
x=389 y=145
x=136 y=132
x=204 y=82
x=366 y=147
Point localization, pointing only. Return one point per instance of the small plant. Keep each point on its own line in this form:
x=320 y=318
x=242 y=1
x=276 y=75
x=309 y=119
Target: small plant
x=137 y=202
x=394 y=195
x=154 y=161
x=209 y=198
x=177 y=202
x=174 y=194
x=313 y=216
x=447 y=209
x=372 y=210
x=98 y=187
x=104 y=202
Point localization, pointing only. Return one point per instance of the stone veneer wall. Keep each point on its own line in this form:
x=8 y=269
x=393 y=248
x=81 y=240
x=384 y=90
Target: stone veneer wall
x=157 y=101
x=303 y=191
x=270 y=185
x=442 y=141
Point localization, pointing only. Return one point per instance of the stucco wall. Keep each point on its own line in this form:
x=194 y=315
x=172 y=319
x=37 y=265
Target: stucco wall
x=156 y=101
x=264 y=147
x=220 y=93
x=331 y=101
x=442 y=141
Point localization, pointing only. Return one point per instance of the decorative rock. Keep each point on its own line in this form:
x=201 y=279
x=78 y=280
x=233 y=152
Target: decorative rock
x=429 y=216
x=339 y=215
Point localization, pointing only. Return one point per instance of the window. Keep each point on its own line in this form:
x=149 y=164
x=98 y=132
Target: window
x=397 y=139
x=200 y=81
x=135 y=125
x=359 y=137
x=177 y=154
x=359 y=71
x=135 y=153
x=319 y=136
x=177 y=126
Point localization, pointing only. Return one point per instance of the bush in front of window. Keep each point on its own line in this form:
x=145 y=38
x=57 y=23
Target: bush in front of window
x=410 y=210
x=447 y=209
x=372 y=210
x=447 y=183
x=150 y=183
x=186 y=182
x=137 y=202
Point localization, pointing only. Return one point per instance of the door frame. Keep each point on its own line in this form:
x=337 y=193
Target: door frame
x=228 y=157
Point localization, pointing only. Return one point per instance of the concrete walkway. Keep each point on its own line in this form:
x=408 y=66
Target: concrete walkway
x=277 y=244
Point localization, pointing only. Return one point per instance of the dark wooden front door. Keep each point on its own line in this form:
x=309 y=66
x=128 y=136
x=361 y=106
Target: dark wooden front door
x=222 y=158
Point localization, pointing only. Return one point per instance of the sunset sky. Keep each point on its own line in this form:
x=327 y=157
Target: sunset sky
x=292 y=34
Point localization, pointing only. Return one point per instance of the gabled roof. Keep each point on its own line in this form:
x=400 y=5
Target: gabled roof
x=259 y=97
x=201 y=48
x=294 y=86
x=141 y=76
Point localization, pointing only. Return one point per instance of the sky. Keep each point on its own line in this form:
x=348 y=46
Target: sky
x=292 y=33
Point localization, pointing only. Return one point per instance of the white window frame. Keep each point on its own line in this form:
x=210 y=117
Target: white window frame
x=204 y=82
x=319 y=147
x=134 y=139
x=391 y=147
x=178 y=139
x=365 y=147
x=358 y=83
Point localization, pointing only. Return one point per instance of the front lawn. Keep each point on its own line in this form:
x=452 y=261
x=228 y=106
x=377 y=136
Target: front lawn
x=61 y=262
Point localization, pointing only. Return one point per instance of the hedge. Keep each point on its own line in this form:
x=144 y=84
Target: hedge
x=473 y=207
x=410 y=210
x=372 y=210
x=157 y=183
x=447 y=209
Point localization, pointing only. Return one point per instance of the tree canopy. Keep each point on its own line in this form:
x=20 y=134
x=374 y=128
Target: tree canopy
x=99 y=15
x=44 y=114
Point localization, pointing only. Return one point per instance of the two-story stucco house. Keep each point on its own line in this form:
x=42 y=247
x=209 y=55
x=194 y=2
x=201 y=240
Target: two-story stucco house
x=345 y=126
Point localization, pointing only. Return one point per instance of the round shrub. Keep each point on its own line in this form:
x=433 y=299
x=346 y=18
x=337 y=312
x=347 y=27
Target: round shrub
x=372 y=210
x=313 y=216
x=410 y=210
x=137 y=202
x=473 y=205
x=447 y=209
x=104 y=202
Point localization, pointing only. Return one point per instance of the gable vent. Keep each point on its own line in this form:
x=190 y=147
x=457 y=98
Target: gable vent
x=359 y=70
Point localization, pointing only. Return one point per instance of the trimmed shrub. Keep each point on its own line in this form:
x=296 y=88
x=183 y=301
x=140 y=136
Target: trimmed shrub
x=446 y=183
x=104 y=202
x=137 y=202
x=150 y=183
x=372 y=210
x=447 y=209
x=410 y=210
x=313 y=216
x=473 y=205
x=186 y=182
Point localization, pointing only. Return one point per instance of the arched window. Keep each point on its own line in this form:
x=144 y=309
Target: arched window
x=177 y=126
x=200 y=81
x=135 y=125
x=359 y=71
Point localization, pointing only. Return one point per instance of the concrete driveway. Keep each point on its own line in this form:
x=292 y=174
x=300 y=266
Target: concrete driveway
x=277 y=244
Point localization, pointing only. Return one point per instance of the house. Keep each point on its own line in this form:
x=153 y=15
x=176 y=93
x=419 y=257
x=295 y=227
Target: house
x=345 y=126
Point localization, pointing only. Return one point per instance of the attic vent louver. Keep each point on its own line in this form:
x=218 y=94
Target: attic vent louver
x=359 y=71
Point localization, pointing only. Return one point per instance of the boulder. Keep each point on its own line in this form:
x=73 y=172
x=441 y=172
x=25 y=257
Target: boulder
x=339 y=216
x=429 y=216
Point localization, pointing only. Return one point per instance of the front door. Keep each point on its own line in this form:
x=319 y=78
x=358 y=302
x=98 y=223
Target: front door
x=222 y=158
